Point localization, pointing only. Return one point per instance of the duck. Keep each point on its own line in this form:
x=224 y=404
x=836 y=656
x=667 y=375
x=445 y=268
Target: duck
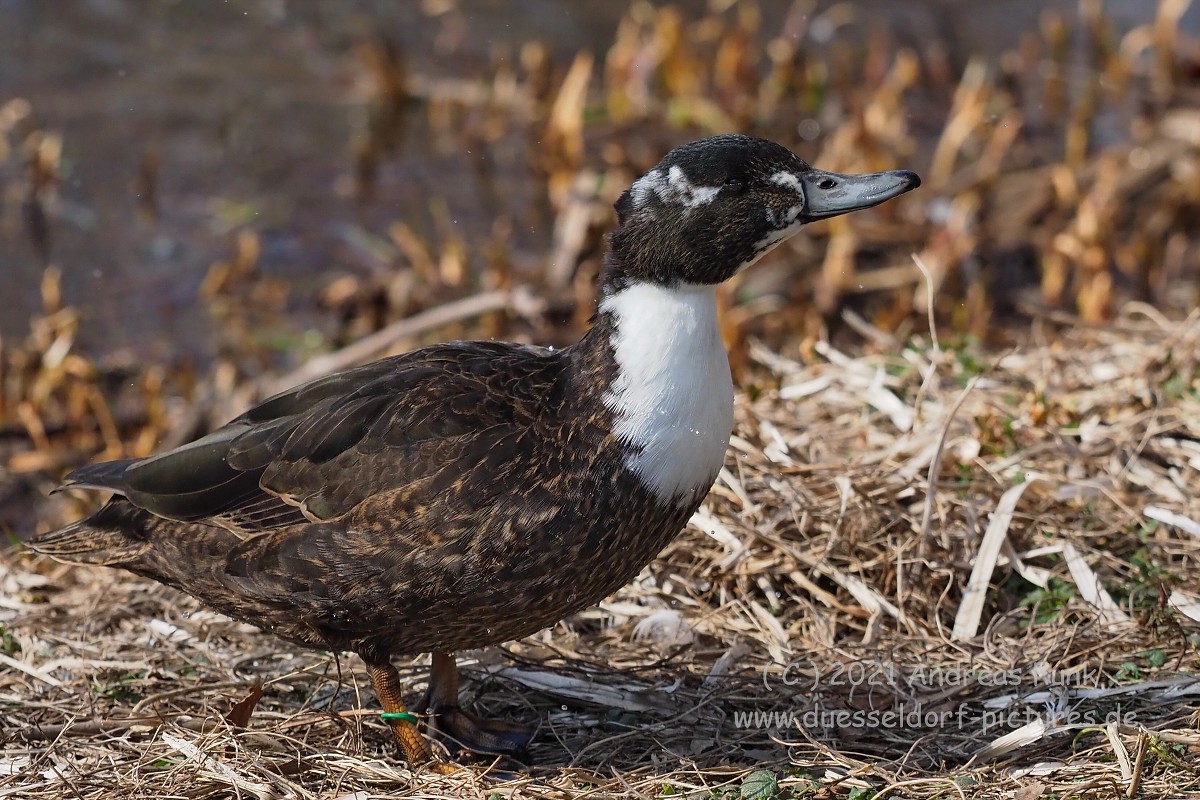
x=472 y=493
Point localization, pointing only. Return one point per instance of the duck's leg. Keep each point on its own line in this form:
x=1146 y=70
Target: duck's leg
x=457 y=729
x=416 y=747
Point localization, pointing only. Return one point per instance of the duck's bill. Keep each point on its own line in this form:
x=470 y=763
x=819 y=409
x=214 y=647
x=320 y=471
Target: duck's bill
x=828 y=194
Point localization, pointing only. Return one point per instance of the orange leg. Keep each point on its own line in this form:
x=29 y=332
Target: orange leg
x=416 y=748
x=459 y=730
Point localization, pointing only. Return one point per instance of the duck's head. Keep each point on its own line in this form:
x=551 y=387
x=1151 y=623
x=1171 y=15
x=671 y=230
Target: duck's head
x=712 y=207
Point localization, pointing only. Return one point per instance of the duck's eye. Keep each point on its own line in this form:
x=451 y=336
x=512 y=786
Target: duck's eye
x=826 y=183
x=734 y=185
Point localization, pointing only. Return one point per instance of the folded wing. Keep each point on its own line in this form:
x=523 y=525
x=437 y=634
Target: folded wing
x=313 y=453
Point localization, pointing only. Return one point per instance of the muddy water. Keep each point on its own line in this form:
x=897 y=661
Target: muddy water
x=250 y=110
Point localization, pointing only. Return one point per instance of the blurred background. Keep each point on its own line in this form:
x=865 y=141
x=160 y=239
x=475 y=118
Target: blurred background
x=196 y=199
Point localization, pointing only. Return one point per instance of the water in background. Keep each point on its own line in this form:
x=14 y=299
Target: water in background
x=249 y=111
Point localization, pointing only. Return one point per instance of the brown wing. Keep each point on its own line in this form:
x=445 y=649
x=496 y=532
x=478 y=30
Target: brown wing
x=318 y=450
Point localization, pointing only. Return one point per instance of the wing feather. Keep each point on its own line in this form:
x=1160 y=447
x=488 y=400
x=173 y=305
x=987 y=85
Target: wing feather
x=316 y=451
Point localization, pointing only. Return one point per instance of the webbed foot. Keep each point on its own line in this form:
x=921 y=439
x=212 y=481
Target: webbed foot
x=459 y=731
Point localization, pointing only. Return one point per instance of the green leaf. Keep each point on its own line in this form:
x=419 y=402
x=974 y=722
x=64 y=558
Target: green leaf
x=1128 y=672
x=1049 y=601
x=8 y=643
x=760 y=785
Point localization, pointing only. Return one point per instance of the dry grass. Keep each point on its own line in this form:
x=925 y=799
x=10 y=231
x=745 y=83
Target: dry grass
x=824 y=574
x=1005 y=540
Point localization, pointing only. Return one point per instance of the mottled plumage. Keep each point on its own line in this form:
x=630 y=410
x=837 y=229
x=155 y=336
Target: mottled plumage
x=439 y=500
x=475 y=492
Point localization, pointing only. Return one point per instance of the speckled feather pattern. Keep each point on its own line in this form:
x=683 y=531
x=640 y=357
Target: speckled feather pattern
x=468 y=510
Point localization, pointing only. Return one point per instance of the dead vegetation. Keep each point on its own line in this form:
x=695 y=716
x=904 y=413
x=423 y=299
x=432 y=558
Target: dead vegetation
x=1000 y=550
x=990 y=535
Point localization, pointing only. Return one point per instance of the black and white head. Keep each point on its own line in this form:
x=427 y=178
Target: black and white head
x=708 y=210
x=712 y=207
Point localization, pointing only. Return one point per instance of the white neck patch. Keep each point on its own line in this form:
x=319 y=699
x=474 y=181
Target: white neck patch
x=671 y=187
x=673 y=398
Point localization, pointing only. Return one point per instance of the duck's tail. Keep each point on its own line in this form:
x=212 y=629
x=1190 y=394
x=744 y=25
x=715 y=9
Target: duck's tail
x=107 y=476
x=116 y=535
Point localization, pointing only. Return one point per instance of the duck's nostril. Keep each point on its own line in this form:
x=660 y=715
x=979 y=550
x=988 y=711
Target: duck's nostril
x=827 y=184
